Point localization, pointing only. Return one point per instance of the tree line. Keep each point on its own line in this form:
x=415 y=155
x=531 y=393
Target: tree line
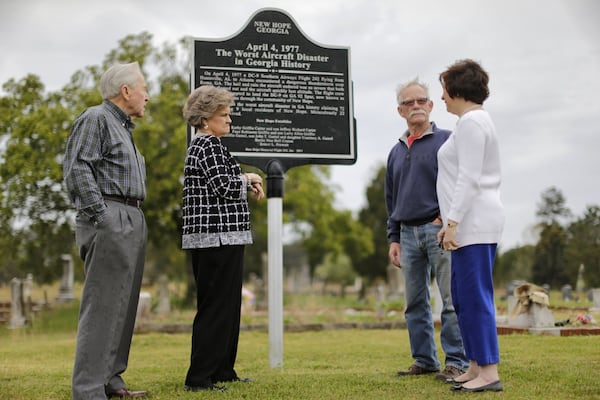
x=37 y=219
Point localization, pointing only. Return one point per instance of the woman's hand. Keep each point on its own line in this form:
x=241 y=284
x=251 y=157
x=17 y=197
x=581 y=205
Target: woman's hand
x=258 y=191
x=447 y=236
x=255 y=183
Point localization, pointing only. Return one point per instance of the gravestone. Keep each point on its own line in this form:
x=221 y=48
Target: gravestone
x=596 y=298
x=510 y=293
x=248 y=300
x=162 y=292
x=144 y=308
x=567 y=292
x=27 y=291
x=27 y=287
x=298 y=278
x=17 y=318
x=65 y=292
x=531 y=309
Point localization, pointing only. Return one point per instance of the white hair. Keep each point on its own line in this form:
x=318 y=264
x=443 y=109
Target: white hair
x=413 y=82
x=118 y=75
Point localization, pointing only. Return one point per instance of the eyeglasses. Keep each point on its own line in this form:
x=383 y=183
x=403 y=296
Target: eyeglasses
x=420 y=101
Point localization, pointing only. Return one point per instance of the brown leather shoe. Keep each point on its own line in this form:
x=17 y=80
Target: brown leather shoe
x=124 y=393
x=449 y=373
x=416 y=370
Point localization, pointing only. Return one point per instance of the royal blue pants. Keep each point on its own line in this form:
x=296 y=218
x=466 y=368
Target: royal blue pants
x=472 y=289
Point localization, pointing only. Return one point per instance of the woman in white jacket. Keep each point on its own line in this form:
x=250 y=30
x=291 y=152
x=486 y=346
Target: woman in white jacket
x=468 y=187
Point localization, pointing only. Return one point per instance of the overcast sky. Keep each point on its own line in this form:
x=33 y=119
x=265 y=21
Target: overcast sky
x=543 y=58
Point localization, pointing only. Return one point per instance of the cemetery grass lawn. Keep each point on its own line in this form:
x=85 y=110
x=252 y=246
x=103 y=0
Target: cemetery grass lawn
x=36 y=363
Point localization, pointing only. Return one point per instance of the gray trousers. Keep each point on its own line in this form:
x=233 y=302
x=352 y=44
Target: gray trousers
x=113 y=252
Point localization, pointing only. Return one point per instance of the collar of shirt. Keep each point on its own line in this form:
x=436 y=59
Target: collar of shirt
x=120 y=114
x=406 y=134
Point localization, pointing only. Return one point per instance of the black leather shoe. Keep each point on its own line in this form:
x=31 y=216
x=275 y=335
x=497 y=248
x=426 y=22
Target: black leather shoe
x=235 y=379
x=124 y=393
x=243 y=380
x=455 y=382
x=202 y=388
x=492 y=387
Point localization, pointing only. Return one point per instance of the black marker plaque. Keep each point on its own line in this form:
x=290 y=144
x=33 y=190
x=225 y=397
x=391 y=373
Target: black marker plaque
x=293 y=97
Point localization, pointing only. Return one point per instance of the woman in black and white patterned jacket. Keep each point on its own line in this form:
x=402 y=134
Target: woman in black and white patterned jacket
x=216 y=227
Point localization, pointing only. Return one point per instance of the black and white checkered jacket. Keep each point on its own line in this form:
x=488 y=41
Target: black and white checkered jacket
x=215 y=197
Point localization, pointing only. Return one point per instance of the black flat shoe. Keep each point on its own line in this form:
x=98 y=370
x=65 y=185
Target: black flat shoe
x=455 y=382
x=491 y=387
x=203 y=388
x=236 y=379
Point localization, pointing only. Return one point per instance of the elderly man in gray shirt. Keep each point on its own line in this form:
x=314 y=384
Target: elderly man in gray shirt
x=105 y=177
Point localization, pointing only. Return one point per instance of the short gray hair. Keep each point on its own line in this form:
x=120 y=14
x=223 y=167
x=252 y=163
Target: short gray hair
x=118 y=75
x=412 y=82
x=203 y=102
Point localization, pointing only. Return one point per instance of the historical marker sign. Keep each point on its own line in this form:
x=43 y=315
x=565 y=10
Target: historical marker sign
x=293 y=95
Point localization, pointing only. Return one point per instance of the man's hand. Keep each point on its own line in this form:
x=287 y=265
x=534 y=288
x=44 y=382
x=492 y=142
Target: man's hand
x=394 y=254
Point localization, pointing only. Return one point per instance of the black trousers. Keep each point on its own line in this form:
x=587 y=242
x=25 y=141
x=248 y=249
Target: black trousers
x=216 y=329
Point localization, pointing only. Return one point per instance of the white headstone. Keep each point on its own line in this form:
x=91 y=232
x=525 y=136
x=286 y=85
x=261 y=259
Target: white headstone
x=531 y=308
x=17 y=318
x=162 y=292
x=596 y=298
x=65 y=292
x=144 y=306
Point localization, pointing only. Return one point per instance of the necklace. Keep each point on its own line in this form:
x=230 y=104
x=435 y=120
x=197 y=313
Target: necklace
x=475 y=107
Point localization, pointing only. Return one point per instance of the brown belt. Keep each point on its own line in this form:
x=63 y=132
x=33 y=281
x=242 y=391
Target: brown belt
x=125 y=200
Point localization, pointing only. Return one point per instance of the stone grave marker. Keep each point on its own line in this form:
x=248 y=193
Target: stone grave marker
x=567 y=292
x=162 y=292
x=531 y=309
x=17 y=318
x=65 y=292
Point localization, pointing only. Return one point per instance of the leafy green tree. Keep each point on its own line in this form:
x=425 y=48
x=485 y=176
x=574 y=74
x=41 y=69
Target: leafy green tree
x=552 y=207
x=374 y=217
x=37 y=215
x=549 y=262
x=514 y=264
x=33 y=204
x=584 y=246
x=37 y=219
x=308 y=206
x=336 y=269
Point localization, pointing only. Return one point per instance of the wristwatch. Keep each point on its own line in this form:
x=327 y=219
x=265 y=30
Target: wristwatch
x=248 y=181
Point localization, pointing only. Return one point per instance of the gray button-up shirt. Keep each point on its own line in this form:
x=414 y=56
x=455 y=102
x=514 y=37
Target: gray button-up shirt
x=101 y=159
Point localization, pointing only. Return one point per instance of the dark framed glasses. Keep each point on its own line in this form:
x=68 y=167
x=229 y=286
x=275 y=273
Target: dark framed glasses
x=411 y=102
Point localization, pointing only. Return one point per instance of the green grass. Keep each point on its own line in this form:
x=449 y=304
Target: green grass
x=36 y=363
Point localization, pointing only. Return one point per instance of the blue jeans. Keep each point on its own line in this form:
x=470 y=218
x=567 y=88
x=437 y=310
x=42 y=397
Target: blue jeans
x=420 y=255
